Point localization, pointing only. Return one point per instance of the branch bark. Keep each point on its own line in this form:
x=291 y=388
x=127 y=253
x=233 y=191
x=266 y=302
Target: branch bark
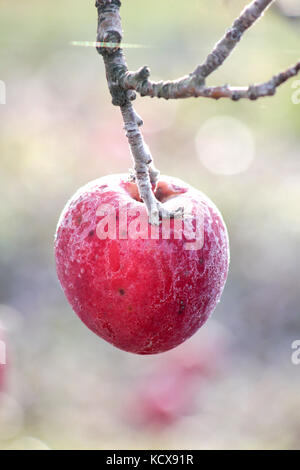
x=187 y=87
x=110 y=32
x=193 y=85
x=225 y=46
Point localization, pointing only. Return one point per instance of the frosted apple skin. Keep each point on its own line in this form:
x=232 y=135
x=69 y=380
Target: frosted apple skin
x=144 y=296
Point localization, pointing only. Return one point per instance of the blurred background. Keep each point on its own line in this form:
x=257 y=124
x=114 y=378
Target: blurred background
x=233 y=385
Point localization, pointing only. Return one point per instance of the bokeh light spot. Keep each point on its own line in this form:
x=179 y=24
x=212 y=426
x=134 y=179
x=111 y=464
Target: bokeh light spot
x=225 y=145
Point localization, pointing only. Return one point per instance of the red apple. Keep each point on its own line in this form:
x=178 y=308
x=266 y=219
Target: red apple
x=145 y=289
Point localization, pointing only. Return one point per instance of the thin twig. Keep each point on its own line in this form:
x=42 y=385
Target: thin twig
x=193 y=85
x=178 y=89
x=225 y=46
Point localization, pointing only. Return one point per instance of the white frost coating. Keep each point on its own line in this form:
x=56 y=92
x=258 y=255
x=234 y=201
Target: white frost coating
x=75 y=278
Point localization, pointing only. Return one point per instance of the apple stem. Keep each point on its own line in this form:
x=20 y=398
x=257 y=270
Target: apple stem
x=145 y=173
x=142 y=159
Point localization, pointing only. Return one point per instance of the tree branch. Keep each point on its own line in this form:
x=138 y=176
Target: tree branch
x=123 y=86
x=193 y=85
x=226 y=45
x=186 y=88
x=110 y=31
